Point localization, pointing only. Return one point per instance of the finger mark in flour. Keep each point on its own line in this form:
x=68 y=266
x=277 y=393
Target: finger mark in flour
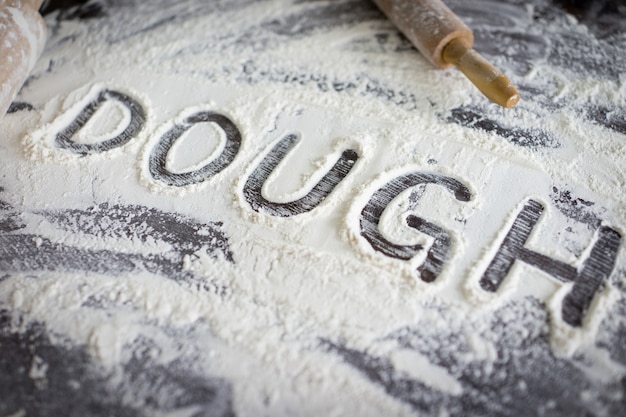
x=253 y=186
x=587 y=279
x=373 y=210
x=157 y=162
x=134 y=123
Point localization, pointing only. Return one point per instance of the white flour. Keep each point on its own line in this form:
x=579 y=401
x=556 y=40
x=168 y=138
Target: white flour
x=269 y=312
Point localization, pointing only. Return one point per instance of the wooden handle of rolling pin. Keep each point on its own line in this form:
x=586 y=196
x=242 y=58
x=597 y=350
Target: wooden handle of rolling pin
x=22 y=38
x=445 y=40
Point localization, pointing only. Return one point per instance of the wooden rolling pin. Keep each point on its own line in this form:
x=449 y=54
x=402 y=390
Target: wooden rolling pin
x=445 y=40
x=22 y=38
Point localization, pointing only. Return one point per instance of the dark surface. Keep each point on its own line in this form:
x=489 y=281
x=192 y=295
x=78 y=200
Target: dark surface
x=75 y=385
x=527 y=378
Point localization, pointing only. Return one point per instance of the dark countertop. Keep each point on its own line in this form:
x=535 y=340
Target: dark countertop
x=527 y=378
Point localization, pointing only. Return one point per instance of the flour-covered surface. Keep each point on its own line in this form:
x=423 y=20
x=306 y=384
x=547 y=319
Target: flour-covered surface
x=246 y=207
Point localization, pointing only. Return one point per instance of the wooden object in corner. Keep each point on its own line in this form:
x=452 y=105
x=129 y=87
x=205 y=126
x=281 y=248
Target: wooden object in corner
x=445 y=41
x=22 y=38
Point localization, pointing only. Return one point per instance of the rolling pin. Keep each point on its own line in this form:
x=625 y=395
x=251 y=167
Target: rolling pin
x=22 y=38
x=446 y=41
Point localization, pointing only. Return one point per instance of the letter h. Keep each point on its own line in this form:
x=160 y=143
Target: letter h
x=588 y=278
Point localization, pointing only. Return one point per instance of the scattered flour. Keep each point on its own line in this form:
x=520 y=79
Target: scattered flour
x=267 y=310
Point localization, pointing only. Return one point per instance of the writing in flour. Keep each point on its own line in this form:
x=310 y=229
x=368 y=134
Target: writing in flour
x=587 y=275
x=280 y=208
